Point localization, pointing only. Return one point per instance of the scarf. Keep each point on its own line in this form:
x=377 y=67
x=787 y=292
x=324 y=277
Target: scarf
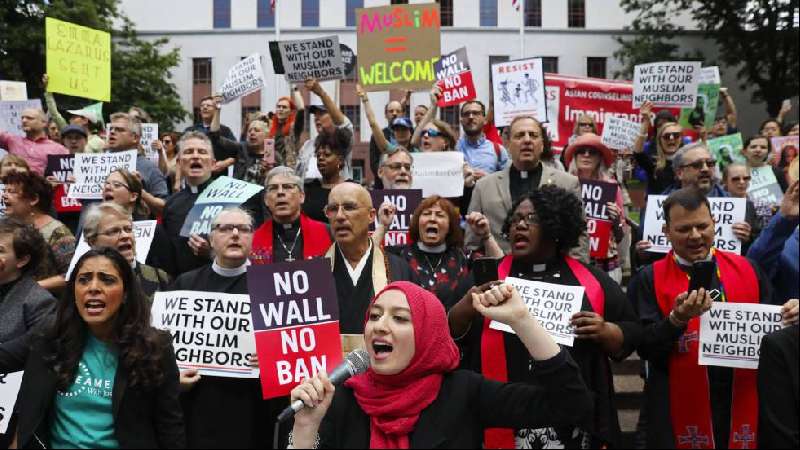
x=381 y=275
x=493 y=347
x=394 y=402
x=316 y=240
x=690 y=405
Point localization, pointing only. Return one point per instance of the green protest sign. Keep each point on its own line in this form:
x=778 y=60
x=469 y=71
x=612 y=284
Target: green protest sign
x=706 y=110
x=727 y=149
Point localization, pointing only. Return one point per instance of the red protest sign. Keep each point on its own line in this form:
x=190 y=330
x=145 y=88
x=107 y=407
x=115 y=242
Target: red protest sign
x=61 y=168
x=455 y=78
x=596 y=196
x=63 y=203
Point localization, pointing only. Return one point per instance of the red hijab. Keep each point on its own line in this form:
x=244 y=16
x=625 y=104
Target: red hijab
x=394 y=402
x=287 y=126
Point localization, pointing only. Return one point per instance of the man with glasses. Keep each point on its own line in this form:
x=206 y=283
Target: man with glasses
x=289 y=235
x=360 y=269
x=482 y=155
x=395 y=171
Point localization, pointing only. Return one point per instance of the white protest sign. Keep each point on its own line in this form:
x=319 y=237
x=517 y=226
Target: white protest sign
x=666 y=84
x=731 y=333
x=9 y=389
x=13 y=91
x=2 y=202
x=726 y=211
x=149 y=134
x=553 y=305
x=244 y=78
x=11 y=115
x=619 y=133
x=439 y=173
x=224 y=192
x=143 y=233
x=710 y=75
x=518 y=90
x=319 y=58
x=211 y=332
x=92 y=169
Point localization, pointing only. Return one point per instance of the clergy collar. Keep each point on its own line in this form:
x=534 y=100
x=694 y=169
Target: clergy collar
x=686 y=263
x=355 y=272
x=525 y=174
x=293 y=225
x=199 y=188
x=437 y=250
x=230 y=273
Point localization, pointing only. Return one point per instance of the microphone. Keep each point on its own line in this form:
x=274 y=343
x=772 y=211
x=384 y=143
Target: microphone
x=355 y=363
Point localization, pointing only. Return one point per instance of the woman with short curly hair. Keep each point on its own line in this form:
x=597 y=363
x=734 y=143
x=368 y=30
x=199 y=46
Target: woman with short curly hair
x=542 y=227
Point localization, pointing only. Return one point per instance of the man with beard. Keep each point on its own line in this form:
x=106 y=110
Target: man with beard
x=395 y=171
x=482 y=155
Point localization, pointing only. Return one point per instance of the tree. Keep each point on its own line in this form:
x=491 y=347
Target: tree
x=140 y=70
x=756 y=38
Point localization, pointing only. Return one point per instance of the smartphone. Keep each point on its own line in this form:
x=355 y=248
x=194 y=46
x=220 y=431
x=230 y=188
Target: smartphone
x=269 y=151
x=701 y=274
x=485 y=270
x=787 y=104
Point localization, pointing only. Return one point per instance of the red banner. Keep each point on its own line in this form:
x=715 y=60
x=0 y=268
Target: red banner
x=457 y=89
x=64 y=204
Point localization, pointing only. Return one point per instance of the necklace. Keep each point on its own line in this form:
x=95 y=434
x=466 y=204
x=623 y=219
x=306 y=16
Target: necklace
x=434 y=269
x=290 y=251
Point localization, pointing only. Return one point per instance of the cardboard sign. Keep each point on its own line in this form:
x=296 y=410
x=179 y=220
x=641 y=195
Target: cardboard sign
x=406 y=202
x=553 y=305
x=11 y=115
x=519 y=91
x=710 y=75
x=726 y=211
x=620 y=134
x=784 y=149
x=319 y=58
x=62 y=168
x=224 y=192
x=727 y=150
x=439 y=173
x=143 y=233
x=296 y=323
x=705 y=111
x=596 y=195
x=13 y=91
x=731 y=333
x=92 y=169
x=397 y=46
x=670 y=84
x=245 y=77
x=9 y=389
x=149 y=135
x=211 y=332
x=78 y=60
x=455 y=78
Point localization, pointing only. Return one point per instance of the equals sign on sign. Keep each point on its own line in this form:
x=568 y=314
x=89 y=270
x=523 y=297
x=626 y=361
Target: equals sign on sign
x=393 y=44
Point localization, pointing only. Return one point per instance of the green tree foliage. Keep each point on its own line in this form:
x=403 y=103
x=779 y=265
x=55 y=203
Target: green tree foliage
x=140 y=70
x=758 y=39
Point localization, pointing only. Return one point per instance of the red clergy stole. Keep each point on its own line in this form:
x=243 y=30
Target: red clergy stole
x=316 y=241
x=689 y=398
x=493 y=347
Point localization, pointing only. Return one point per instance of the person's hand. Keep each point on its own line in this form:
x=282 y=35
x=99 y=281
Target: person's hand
x=253 y=361
x=790 y=205
x=786 y=107
x=478 y=174
x=479 y=225
x=692 y=304
x=743 y=231
x=53 y=180
x=45 y=81
x=790 y=312
x=723 y=92
x=313 y=85
x=200 y=247
x=157 y=146
x=386 y=214
x=646 y=111
x=218 y=99
x=317 y=394
x=219 y=167
x=188 y=379
x=642 y=247
x=502 y=303
x=614 y=213
x=361 y=93
x=589 y=325
x=436 y=93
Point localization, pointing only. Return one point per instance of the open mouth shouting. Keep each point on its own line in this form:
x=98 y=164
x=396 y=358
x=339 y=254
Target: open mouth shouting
x=94 y=307
x=520 y=241
x=381 y=349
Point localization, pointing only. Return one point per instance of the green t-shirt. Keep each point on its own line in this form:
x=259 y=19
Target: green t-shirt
x=83 y=416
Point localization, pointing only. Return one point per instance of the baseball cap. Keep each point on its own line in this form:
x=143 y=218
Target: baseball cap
x=402 y=122
x=317 y=109
x=74 y=129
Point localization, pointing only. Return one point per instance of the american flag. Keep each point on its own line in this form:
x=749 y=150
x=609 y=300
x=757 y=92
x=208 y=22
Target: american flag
x=514 y=3
x=272 y=4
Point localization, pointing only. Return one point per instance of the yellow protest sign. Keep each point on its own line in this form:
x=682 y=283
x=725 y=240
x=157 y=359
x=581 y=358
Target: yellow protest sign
x=78 y=60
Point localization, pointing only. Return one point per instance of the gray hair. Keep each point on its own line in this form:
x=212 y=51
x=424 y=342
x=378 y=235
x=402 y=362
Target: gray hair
x=134 y=125
x=91 y=223
x=677 y=160
x=385 y=157
x=189 y=135
x=286 y=172
x=234 y=209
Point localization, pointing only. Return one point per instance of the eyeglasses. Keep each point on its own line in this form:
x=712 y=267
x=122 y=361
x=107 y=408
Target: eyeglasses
x=698 y=165
x=349 y=208
x=288 y=187
x=117 y=232
x=586 y=151
x=741 y=179
x=397 y=166
x=585 y=124
x=116 y=185
x=671 y=136
x=530 y=219
x=431 y=133
x=227 y=228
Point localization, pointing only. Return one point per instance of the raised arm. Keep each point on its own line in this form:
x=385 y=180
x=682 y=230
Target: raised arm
x=436 y=92
x=377 y=132
x=52 y=107
x=333 y=109
x=730 y=107
x=646 y=115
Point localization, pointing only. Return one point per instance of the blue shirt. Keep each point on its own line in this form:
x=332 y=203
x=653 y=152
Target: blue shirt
x=483 y=155
x=83 y=415
x=777 y=251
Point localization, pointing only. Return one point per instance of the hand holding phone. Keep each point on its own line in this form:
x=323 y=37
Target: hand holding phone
x=484 y=270
x=702 y=274
x=269 y=152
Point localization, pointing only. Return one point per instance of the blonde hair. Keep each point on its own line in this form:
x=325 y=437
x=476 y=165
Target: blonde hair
x=601 y=173
x=14 y=159
x=661 y=157
x=577 y=127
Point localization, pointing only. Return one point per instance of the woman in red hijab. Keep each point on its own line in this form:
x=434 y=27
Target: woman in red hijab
x=412 y=396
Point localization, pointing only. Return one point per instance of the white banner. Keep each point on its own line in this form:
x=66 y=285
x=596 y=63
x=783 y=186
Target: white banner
x=731 y=333
x=620 y=134
x=9 y=389
x=710 y=75
x=518 y=91
x=439 y=173
x=92 y=169
x=666 y=84
x=319 y=58
x=14 y=91
x=149 y=134
x=11 y=114
x=244 y=78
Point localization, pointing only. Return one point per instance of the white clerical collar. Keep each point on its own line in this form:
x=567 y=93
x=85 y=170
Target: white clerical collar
x=523 y=174
x=230 y=273
x=355 y=273
x=194 y=189
x=686 y=263
x=437 y=249
x=539 y=268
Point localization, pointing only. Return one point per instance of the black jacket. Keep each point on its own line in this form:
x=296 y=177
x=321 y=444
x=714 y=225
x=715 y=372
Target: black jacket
x=142 y=418
x=778 y=393
x=467 y=404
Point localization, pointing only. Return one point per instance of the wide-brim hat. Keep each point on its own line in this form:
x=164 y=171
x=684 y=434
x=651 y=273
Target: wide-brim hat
x=594 y=141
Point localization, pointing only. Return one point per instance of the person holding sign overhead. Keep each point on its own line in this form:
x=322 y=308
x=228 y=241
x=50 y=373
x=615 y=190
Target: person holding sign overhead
x=543 y=226
x=412 y=396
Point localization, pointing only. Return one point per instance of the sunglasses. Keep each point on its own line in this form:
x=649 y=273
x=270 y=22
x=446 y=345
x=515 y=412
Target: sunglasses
x=586 y=151
x=670 y=136
x=741 y=179
x=431 y=133
x=698 y=165
x=588 y=125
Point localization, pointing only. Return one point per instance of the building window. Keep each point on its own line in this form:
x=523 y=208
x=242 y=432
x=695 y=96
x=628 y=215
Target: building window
x=596 y=67
x=310 y=13
x=352 y=5
x=222 y=13
x=446 y=12
x=488 y=13
x=576 y=14
x=550 y=64
x=533 y=13
x=353 y=112
x=449 y=115
x=201 y=69
x=265 y=14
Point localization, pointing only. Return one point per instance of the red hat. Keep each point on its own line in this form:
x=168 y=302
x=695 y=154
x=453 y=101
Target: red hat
x=590 y=140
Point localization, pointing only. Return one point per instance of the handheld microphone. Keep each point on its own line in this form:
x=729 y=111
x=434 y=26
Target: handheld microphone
x=355 y=363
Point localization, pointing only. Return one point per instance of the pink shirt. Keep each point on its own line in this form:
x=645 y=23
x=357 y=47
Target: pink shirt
x=34 y=152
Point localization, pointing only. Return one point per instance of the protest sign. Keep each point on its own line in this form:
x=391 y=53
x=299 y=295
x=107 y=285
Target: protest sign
x=2 y=202
x=13 y=91
x=211 y=332
x=245 y=77
x=596 y=195
x=670 y=84
x=78 y=60
x=406 y=202
x=11 y=115
x=319 y=58
x=61 y=168
x=455 y=78
x=765 y=193
x=726 y=211
x=143 y=233
x=296 y=323
x=518 y=88
x=705 y=112
x=9 y=389
x=784 y=150
x=348 y=59
x=224 y=192
x=731 y=333
x=710 y=75
x=397 y=46
x=553 y=305
x=149 y=135
x=620 y=134
x=439 y=173
x=92 y=169
x=727 y=150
